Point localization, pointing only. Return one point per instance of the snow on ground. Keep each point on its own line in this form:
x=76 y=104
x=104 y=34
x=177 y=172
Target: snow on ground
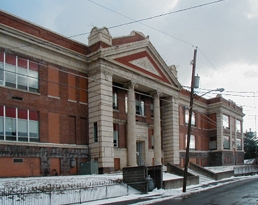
x=168 y=176
x=59 y=180
x=82 y=179
x=161 y=194
x=249 y=161
x=91 y=180
x=218 y=169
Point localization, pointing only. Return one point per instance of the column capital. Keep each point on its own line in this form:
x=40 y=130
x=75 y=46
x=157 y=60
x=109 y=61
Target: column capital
x=131 y=85
x=156 y=93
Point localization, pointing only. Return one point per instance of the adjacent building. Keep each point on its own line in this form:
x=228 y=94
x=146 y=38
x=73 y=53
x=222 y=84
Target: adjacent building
x=114 y=101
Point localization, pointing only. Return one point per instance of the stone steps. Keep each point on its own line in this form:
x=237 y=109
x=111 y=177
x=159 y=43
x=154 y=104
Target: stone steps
x=202 y=178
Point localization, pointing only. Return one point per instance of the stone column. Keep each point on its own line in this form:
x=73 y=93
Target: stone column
x=219 y=130
x=170 y=130
x=131 y=125
x=157 y=133
x=101 y=112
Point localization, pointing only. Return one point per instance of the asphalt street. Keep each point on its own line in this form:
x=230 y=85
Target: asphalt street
x=242 y=192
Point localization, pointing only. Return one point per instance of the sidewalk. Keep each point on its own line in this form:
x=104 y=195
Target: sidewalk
x=161 y=195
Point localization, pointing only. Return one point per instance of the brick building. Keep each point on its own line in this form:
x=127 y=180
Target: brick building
x=114 y=101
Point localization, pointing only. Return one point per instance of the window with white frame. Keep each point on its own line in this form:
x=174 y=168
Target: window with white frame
x=239 y=144
x=115 y=105
x=140 y=107
x=187 y=117
x=18 y=125
x=192 y=145
x=226 y=142
x=238 y=126
x=18 y=73
x=152 y=110
x=115 y=134
x=126 y=104
x=226 y=121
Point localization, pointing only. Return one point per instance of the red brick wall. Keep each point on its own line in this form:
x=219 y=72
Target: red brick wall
x=53 y=128
x=53 y=81
x=117 y=164
x=71 y=88
x=82 y=136
x=10 y=169
x=57 y=107
x=83 y=90
x=182 y=141
x=72 y=130
x=122 y=136
x=181 y=115
x=39 y=32
x=55 y=165
x=212 y=120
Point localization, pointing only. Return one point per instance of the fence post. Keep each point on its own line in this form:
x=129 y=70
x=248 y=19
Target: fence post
x=50 y=195
x=80 y=194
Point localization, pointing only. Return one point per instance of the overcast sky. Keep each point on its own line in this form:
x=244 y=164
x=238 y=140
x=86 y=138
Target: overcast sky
x=225 y=33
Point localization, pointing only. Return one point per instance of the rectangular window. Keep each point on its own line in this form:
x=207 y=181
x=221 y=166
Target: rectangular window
x=17 y=160
x=71 y=87
x=115 y=106
x=95 y=131
x=152 y=110
x=139 y=107
x=213 y=143
x=239 y=144
x=33 y=126
x=22 y=125
x=18 y=73
x=18 y=125
x=22 y=74
x=33 y=77
x=152 y=141
x=187 y=114
x=2 y=68
x=238 y=126
x=1 y=123
x=226 y=142
x=10 y=71
x=115 y=134
x=53 y=81
x=126 y=103
x=10 y=124
x=192 y=142
x=83 y=89
x=225 y=121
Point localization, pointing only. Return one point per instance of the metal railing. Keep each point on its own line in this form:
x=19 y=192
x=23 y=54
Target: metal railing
x=63 y=194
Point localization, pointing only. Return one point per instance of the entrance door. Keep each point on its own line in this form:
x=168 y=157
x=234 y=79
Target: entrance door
x=139 y=153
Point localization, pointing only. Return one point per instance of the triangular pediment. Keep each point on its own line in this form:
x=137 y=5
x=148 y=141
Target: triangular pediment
x=143 y=63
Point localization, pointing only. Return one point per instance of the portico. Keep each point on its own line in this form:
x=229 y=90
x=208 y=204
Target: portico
x=142 y=82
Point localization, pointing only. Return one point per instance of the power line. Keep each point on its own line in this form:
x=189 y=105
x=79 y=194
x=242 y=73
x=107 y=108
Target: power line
x=134 y=21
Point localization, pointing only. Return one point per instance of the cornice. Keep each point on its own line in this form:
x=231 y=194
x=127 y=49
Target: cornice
x=25 y=43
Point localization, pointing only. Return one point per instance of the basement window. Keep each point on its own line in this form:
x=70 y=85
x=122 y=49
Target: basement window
x=17 y=160
x=95 y=131
x=17 y=98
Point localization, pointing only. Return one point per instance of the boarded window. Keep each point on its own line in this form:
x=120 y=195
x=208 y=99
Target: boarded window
x=53 y=82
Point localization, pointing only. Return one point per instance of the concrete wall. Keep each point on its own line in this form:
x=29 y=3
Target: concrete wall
x=177 y=183
x=208 y=173
x=244 y=170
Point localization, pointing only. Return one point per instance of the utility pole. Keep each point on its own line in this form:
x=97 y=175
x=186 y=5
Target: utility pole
x=189 y=121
